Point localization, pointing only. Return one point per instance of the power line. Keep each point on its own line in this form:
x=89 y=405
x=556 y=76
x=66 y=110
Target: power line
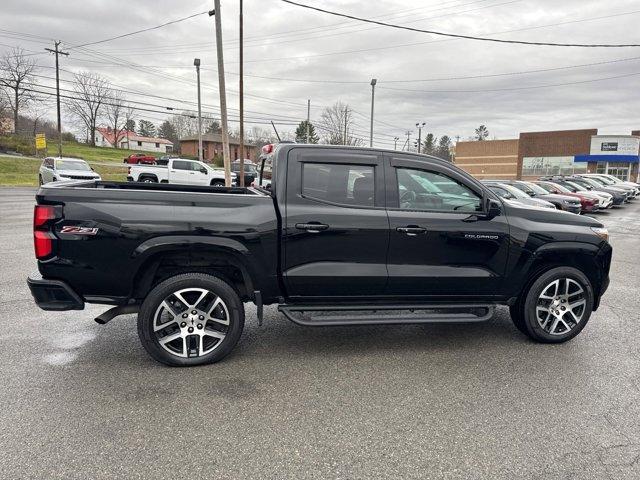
x=139 y=31
x=455 y=35
x=515 y=88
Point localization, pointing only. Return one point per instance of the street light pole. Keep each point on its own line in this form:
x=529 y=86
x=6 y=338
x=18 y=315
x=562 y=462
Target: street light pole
x=420 y=125
x=223 y=94
x=373 y=90
x=196 y=62
x=395 y=142
x=308 y=115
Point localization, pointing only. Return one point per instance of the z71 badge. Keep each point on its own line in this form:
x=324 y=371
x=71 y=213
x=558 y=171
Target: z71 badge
x=79 y=230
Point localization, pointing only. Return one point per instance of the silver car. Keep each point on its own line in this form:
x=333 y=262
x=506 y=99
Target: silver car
x=509 y=192
x=56 y=169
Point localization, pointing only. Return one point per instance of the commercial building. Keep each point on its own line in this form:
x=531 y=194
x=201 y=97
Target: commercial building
x=552 y=153
x=212 y=147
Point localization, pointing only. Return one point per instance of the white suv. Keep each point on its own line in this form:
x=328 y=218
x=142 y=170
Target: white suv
x=55 y=169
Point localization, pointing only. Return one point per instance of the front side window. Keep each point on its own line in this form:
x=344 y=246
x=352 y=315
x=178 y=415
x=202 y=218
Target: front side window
x=426 y=190
x=339 y=183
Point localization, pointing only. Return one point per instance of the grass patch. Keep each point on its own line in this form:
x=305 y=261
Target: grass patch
x=23 y=172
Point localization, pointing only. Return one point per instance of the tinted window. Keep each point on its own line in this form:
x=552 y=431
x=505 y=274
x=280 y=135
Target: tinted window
x=182 y=165
x=425 y=190
x=339 y=183
x=501 y=192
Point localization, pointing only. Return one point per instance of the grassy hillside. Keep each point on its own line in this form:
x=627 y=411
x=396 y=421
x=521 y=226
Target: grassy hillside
x=24 y=171
x=25 y=146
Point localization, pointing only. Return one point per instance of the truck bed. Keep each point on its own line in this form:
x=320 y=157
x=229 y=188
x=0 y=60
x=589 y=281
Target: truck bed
x=156 y=187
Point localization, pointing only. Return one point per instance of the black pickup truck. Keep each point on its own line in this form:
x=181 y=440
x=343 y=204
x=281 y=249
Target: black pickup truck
x=344 y=236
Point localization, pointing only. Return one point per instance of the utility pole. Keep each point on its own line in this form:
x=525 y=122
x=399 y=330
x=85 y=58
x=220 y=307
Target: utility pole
x=373 y=90
x=420 y=125
x=408 y=140
x=196 y=62
x=241 y=101
x=395 y=142
x=308 y=117
x=223 y=94
x=346 y=113
x=58 y=52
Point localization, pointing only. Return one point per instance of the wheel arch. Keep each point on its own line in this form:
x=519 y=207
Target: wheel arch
x=160 y=258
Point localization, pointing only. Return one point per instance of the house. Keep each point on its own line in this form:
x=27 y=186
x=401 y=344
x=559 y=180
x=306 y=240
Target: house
x=6 y=125
x=132 y=141
x=212 y=146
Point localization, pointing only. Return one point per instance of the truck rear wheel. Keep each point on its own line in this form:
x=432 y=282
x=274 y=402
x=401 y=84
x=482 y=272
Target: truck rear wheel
x=190 y=319
x=217 y=183
x=556 y=307
x=149 y=179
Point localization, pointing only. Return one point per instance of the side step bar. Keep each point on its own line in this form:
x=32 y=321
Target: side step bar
x=334 y=315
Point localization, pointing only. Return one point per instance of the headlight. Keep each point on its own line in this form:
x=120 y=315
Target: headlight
x=602 y=232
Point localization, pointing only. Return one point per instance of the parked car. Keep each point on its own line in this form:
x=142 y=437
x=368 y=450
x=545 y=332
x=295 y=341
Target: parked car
x=620 y=195
x=179 y=170
x=610 y=180
x=138 y=158
x=511 y=193
x=561 y=202
x=54 y=169
x=606 y=199
x=588 y=202
x=250 y=171
x=345 y=236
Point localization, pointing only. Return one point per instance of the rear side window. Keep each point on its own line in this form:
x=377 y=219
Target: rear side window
x=181 y=165
x=339 y=183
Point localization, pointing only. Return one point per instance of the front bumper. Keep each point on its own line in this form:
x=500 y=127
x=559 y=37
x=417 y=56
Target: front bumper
x=572 y=208
x=53 y=294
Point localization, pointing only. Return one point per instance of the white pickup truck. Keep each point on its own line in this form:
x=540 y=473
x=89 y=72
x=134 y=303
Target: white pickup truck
x=179 y=170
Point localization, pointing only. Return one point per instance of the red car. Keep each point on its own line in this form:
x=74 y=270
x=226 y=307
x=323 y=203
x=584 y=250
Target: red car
x=137 y=158
x=587 y=201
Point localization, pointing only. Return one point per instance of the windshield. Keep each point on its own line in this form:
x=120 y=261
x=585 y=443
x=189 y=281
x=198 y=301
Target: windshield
x=561 y=188
x=537 y=189
x=72 y=165
x=606 y=180
x=515 y=192
x=578 y=187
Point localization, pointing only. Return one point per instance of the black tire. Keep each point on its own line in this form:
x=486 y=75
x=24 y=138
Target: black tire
x=524 y=315
x=217 y=183
x=151 y=304
x=149 y=179
x=40 y=182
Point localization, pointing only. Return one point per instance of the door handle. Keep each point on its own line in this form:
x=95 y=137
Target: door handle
x=312 y=227
x=411 y=230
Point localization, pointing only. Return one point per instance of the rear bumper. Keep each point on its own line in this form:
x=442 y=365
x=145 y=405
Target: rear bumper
x=53 y=294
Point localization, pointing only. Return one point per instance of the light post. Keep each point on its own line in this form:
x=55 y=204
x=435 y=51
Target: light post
x=395 y=142
x=373 y=90
x=420 y=125
x=196 y=62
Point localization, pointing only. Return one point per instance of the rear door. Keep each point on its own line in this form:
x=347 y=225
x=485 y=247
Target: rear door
x=441 y=244
x=181 y=171
x=336 y=230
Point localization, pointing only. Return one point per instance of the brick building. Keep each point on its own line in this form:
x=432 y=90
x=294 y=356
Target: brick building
x=212 y=146
x=555 y=152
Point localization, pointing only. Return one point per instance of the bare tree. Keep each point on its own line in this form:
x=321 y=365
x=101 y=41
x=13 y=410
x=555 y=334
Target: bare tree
x=118 y=115
x=91 y=92
x=16 y=71
x=185 y=124
x=337 y=123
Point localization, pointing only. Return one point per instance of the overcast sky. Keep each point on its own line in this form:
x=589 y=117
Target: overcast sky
x=414 y=70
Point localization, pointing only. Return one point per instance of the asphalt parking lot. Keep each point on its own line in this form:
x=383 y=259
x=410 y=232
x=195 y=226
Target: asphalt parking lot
x=81 y=400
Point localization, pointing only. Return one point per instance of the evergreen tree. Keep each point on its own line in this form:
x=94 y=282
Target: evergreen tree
x=482 y=133
x=168 y=131
x=301 y=133
x=429 y=144
x=146 y=128
x=130 y=125
x=444 y=148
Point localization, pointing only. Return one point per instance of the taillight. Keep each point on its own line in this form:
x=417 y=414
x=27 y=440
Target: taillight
x=42 y=235
x=267 y=149
x=129 y=171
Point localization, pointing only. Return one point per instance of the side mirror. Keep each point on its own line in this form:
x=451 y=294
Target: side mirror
x=203 y=170
x=494 y=208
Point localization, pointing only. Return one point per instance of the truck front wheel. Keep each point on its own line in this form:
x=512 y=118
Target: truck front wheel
x=556 y=307
x=190 y=319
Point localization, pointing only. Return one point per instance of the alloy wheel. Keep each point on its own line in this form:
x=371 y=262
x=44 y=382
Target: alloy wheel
x=191 y=322
x=561 y=306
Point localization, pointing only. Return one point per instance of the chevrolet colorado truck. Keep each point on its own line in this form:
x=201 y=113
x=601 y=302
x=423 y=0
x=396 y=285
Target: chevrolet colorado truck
x=344 y=236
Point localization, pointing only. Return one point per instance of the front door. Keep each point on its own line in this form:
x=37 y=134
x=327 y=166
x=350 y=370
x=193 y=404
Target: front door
x=336 y=230
x=441 y=244
x=180 y=172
